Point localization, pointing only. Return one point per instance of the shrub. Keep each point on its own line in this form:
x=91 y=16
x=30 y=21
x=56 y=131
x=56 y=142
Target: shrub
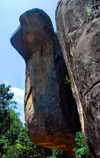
x=81 y=149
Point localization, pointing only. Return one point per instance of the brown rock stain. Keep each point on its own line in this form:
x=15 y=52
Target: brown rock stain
x=59 y=141
x=29 y=111
x=80 y=109
x=30 y=36
x=72 y=48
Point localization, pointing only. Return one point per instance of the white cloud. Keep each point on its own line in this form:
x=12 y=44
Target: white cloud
x=22 y=119
x=19 y=98
x=18 y=95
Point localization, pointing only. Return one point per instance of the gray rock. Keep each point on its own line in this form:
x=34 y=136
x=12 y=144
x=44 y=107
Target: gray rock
x=78 y=28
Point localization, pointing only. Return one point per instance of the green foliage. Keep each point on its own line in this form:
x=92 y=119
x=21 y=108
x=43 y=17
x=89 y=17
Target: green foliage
x=56 y=154
x=5 y=95
x=9 y=120
x=86 y=11
x=81 y=146
x=67 y=80
x=14 y=141
x=5 y=107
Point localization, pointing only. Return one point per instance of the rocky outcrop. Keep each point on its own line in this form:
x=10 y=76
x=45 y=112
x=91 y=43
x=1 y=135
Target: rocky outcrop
x=50 y=109
x=78 y=28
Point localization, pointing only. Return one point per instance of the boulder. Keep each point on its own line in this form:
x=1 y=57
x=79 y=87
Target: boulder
x=50 y=109
x=78 y=28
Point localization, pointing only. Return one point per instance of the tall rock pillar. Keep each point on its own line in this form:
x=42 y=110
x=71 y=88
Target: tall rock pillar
x=50 y=110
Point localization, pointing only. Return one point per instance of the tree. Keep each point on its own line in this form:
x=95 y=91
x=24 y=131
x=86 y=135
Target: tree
x=5 y=103
x=14 y=141
x=5 y=95
x=7 y=118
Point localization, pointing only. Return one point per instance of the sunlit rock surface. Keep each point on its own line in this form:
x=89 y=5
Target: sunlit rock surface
x=50 y=110
x=78 y=28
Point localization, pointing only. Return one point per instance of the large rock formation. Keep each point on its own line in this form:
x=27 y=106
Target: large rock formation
x=50 y=110
x=78 y=28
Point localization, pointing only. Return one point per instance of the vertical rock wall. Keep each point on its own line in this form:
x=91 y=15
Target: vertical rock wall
x=78 y=28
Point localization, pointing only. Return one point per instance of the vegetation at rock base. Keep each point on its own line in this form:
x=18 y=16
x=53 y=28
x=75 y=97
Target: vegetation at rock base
x=81 y=150
x=14 y=141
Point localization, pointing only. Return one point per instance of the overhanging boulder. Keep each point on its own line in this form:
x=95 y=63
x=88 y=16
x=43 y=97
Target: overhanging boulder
x=50 y=109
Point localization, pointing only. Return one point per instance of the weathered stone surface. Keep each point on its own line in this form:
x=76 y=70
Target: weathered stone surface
x=78 y=28
x=50 y=110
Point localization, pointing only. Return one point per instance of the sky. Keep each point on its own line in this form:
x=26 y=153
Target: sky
x=12 y=65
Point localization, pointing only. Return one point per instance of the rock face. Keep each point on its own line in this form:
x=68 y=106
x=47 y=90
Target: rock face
x=78 y=28
x=50 y=110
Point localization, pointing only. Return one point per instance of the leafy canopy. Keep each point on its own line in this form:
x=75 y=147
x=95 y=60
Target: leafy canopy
x=14 y=141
